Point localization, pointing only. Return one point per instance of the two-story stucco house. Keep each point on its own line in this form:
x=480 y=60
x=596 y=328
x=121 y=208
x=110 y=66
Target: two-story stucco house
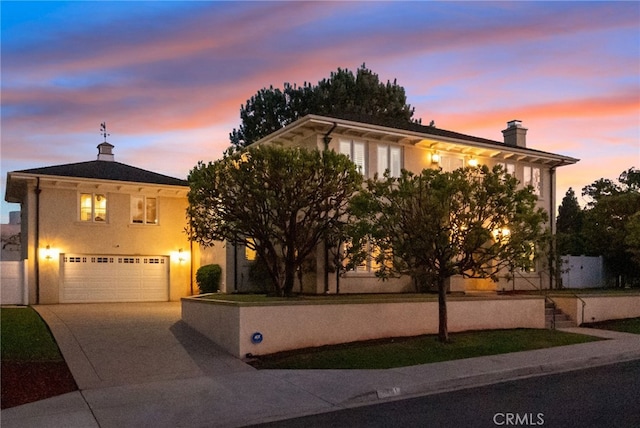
x=376 y=147
x=102 y=231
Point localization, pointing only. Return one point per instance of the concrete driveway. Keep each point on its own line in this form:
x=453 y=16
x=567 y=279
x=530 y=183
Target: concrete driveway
x=114 y=344
x=138 y=365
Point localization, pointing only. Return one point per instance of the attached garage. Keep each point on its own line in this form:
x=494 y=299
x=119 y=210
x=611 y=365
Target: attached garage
x=114 y=278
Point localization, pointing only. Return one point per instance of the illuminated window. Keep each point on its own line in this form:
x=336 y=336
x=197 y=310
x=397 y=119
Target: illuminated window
x=249 y=253
x=389 y=158
x=529 y=258
x=370 y=264
x=532 y=178
x=93 y=207
x=355 y=150
x=144 y=210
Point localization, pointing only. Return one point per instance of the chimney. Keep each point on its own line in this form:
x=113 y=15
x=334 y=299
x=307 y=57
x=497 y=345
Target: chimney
x=515 y=135
x=105 y=152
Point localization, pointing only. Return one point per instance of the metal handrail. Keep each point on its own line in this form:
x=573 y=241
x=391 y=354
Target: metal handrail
x=553 y=314
x=553 y=302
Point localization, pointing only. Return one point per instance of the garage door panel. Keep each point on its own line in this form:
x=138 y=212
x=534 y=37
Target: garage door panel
x=100 y=278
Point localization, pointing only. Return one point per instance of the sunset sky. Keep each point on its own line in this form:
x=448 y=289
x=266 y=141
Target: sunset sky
x=168 y=78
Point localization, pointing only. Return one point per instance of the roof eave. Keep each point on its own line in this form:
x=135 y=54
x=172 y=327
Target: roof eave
x=320 y=124
x=26 y=177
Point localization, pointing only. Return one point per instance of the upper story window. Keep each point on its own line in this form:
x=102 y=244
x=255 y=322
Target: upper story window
x=144 y=210
x=451 y=163
x=389 y=158
x=356 y=151
x=532 y=177
x=508 y=168
x=93 y=207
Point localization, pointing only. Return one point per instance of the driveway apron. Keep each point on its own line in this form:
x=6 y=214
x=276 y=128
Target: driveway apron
x=116 y=344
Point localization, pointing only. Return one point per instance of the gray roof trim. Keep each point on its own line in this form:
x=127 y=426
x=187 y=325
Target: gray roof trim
x=105 y=170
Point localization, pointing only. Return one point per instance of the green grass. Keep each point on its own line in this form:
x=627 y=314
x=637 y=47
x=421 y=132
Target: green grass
x=324 y=299
x=400 y=352
x=629 y=325
x=25 y=337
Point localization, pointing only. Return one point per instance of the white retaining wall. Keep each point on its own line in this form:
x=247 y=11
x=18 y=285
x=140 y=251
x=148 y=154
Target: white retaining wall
x=599 y=307
x=291 y=326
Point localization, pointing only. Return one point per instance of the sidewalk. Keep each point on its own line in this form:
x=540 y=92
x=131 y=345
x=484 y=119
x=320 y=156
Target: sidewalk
x=233 y=394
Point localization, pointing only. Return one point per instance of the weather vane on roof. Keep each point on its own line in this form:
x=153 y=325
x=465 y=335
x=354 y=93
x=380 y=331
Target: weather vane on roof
x=103 y=131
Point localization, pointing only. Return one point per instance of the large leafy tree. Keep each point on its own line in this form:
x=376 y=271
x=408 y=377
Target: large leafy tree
x=610 y=222
x=473 y=222
x=342 y=94
x=569 y=226
x=280 y=202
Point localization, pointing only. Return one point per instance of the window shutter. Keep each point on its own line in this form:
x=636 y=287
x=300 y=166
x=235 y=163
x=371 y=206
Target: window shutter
x=535 y=181
x=396 y=161
x=359 y=156
x=383 y=162
x=345 y=148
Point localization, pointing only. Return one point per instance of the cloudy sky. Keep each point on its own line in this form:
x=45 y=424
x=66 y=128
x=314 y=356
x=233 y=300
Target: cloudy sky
x=168 y=78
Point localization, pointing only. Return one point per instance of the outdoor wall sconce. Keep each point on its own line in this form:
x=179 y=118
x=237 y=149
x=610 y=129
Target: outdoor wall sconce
x=48 y=253
x=473 y=162
x=435 y=158
x=180 y=256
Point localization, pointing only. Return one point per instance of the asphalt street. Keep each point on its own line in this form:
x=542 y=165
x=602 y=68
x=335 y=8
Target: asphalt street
x=606 y=396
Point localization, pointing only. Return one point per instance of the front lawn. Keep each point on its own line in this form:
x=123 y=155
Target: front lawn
x=629 y=325
x=32 y=366
x=400 y=352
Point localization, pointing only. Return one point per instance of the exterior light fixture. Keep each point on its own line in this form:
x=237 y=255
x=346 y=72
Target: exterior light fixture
x=473 y=162
x=48 y=253
x=435 y=158
x=501 y=235
x=180 y=256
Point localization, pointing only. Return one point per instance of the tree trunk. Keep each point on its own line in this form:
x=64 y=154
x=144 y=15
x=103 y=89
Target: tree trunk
x=289 y=277
x=443 y=332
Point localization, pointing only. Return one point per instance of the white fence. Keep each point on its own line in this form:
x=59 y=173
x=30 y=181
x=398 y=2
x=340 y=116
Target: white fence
x=582 y=272
x=13 y=280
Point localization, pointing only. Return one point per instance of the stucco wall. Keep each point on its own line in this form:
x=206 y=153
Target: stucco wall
x=60 y=228
x=291 y=326
x=221 y=325
x=599 y=307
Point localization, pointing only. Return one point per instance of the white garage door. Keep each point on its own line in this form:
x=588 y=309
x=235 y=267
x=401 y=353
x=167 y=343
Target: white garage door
x=106 y=278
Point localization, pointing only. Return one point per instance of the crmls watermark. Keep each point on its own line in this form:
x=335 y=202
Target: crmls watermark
x=519 y=419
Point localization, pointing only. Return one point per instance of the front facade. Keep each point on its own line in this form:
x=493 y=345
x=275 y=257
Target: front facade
x=379 y=147
x=102 y=231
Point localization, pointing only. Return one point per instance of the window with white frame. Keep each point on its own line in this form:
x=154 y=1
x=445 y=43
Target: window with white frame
x=508 y=168
x=451 y=163
x=532 y=177
x=144 y=210
x=370 y=264
x=93 y=207
x=356 y=151
x=389 y=158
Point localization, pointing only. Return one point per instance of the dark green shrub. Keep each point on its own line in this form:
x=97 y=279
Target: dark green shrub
x=208 y=278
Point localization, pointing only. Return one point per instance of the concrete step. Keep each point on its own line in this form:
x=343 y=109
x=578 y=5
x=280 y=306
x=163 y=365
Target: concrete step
x=565 y=324
x=562 y=320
